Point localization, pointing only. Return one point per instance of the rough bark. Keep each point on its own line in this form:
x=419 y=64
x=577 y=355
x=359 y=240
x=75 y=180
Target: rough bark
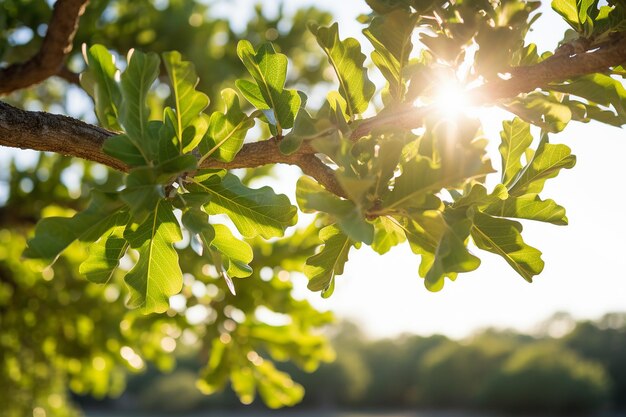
x=50 y=58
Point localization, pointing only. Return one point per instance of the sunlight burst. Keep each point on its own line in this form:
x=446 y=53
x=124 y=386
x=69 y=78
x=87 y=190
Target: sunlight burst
x=452 y=99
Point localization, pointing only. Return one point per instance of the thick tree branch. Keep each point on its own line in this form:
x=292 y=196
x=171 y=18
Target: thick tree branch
x=54 y=133
x=557 y=68
x=50 y=58
x=66 y=136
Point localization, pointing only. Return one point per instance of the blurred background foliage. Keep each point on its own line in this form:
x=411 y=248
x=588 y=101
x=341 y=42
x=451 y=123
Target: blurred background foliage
x=495 y=371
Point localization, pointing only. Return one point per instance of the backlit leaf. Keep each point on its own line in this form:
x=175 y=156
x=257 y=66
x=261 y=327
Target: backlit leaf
x=106 y=252
x=99 y=81
x=227 y=131
x=347 y=60
x=157 y=275
x=516 y=138
x=188 y=102
x=548 y=160
x=322 y=268
x=236 y=254
x=136 y=80
x=269 y=70
x=502 y=237
x=392 y=47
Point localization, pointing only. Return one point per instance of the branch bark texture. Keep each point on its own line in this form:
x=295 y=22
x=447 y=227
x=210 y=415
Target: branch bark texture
x=50 y=58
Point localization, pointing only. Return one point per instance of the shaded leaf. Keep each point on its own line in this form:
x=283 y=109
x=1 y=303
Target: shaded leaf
x=253 y=211
x=106 y=252
x=54 y=234
x=312 y=197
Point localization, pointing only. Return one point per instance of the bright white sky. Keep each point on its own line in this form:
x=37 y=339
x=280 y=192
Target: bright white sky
x=585 y=271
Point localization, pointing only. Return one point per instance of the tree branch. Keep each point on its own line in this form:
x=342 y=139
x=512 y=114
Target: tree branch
x=50 y=58
x=54 y=133
x=556 y=68
x=68 y=75
x=67 y=136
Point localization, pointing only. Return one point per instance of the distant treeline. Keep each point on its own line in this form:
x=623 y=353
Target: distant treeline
x=581 y=371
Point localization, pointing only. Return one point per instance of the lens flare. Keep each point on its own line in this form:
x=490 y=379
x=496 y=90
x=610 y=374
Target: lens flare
x=452 y=99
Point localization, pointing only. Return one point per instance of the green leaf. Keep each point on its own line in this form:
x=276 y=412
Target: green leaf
x=479 y=196
x=543 y=110
x=236 y=254
x=54 y=234
x=252 y=93
x=215 y=375
x=303 y=128
x=597 y=88
x=387 y=234
x=569 y=11
x=390 y=35
x=516 y=139
x=178 y=165
x=143 y=190
x=502 y=237
x=529 y=207
x=347 y=60
x=312 y=197
x=253 y=211
x=195 y=220
x=418 y=179
x=157 y=275
x=442 y=246
x=106 y=252
x=227 y=130
x=322 y=267
x=269 y=70
x=167 y=145
x=548 y=160
x=122 y=148
x=99 y=81
x=141 y=72
x=583 y=8
x=189 y=102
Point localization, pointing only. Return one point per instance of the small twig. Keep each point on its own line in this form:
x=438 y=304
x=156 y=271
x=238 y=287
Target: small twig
x=68 y=75
x=50 y=58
